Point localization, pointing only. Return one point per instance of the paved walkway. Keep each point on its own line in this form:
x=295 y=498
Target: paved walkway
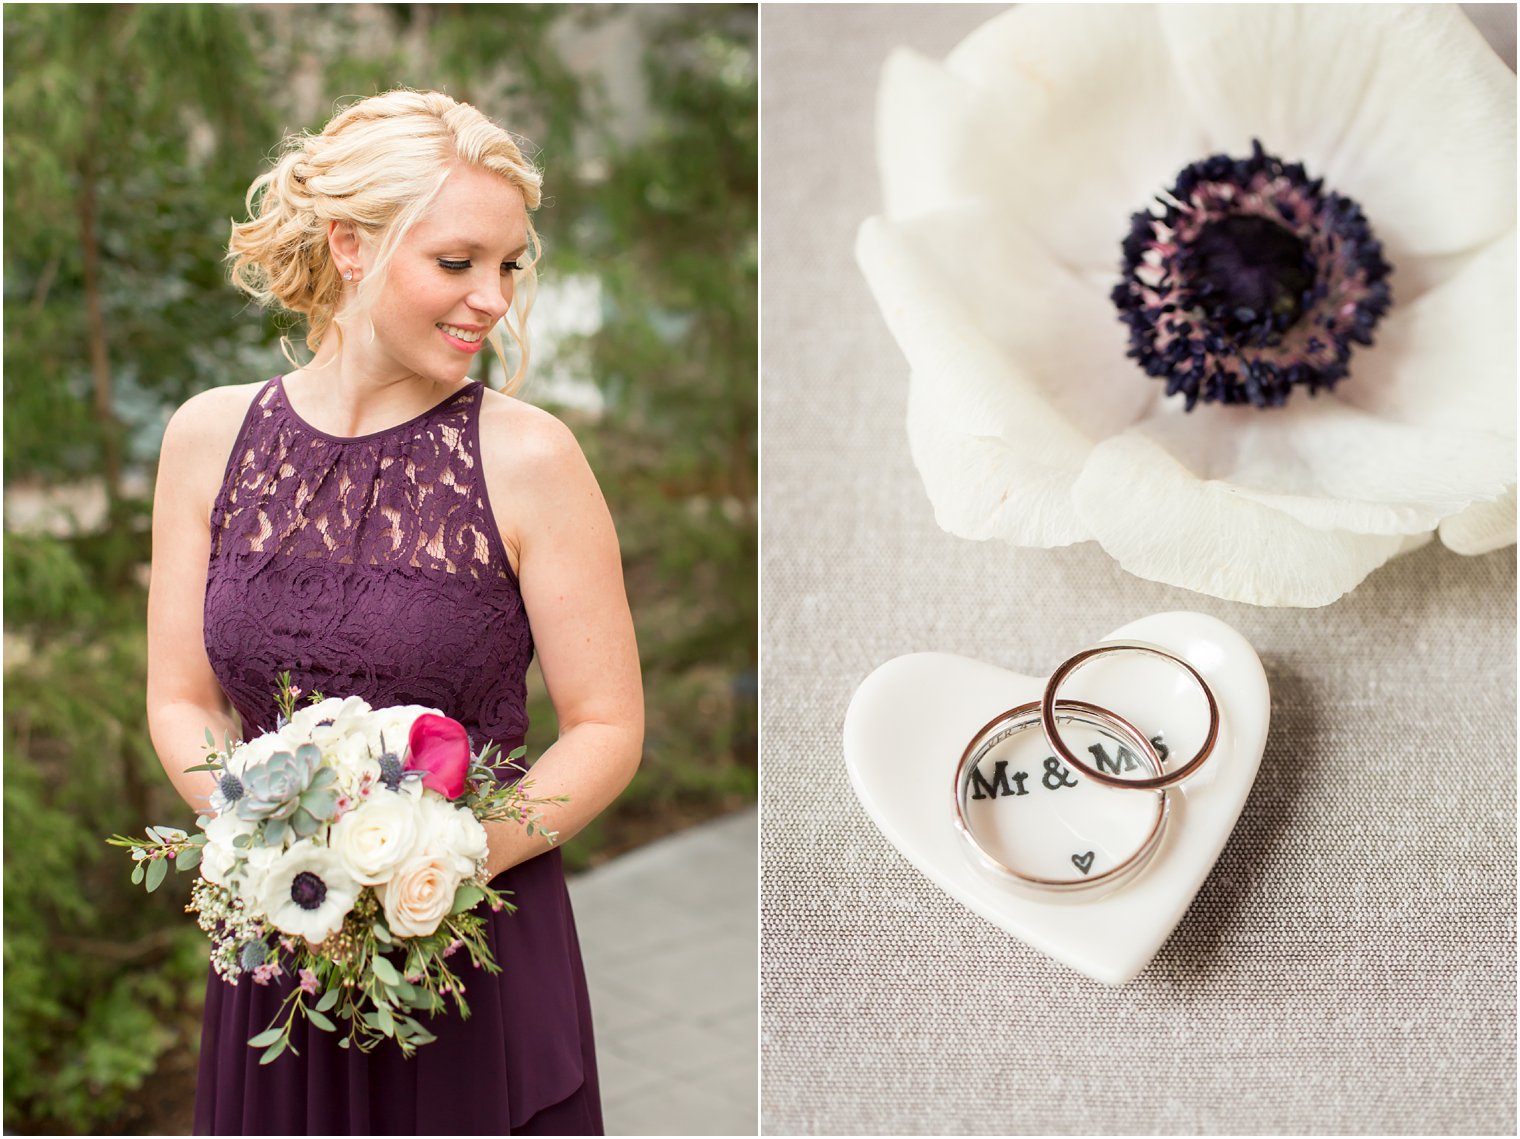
x=670 y=935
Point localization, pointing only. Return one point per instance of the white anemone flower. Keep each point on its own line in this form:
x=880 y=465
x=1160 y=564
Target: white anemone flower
x=307 y=892
x=1047 y=175
x=326 y=719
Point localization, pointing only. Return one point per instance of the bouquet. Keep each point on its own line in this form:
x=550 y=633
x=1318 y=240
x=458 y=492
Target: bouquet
x=345 y=849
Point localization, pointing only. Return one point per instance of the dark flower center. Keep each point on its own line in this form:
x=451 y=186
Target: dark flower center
x=231 y=787
x=307 y=890
x=1249 y=271
x=1250 y=280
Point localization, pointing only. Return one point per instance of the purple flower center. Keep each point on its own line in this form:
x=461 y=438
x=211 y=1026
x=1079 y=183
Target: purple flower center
x=1249 y=281
x=307 y=890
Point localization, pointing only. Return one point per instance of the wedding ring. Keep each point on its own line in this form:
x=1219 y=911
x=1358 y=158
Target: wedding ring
x=1049 y=703
x=1051 y=781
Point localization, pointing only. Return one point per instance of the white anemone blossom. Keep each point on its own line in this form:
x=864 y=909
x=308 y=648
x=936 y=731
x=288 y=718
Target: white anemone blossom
x=1235 y=182
x=307 y=892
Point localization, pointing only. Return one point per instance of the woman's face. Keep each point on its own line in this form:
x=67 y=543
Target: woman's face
x=451 y=279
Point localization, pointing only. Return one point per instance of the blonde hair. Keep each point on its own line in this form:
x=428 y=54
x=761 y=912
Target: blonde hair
x=379 y=164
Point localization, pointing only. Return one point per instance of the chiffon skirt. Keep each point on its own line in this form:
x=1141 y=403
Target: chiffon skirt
x=524 y=1063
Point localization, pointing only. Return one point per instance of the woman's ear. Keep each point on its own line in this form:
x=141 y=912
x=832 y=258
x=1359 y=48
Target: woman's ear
x=343 y=243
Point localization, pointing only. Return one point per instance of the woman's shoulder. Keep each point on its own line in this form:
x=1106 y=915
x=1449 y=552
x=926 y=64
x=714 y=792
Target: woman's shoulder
x=200 y=435
x=536 y=475
x=525 y=440
x=213 y=414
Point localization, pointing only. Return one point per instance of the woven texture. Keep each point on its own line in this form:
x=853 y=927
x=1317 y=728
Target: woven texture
x=1349 y=964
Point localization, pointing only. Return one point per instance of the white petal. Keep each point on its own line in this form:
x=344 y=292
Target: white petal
x=1404 y=108
x=930 y=132
x=1333 y=467
x=1065 y=121
x=1163 y=523
x=1448 y=359
x=983 y=487
x=977 y=388
x=1061 y=336
x=1482 y=527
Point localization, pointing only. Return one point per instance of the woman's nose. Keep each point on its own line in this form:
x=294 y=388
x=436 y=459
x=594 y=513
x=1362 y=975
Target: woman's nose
x=494 y=300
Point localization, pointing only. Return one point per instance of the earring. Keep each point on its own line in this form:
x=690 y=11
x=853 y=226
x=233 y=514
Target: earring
x=348 y=274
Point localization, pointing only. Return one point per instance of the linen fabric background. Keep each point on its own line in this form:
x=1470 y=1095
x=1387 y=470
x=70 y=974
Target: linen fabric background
x=1349 y=964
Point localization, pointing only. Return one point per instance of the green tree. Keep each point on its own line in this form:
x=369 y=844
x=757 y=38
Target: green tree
x=125 y=130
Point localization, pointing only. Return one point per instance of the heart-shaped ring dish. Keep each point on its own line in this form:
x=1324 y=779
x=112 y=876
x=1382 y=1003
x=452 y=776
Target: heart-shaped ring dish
x=910 y=720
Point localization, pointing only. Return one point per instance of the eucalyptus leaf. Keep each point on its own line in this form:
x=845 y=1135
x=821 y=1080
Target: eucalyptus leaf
x=138 y=870
x=205 y=767
x=382 y=934
x=188 y=859
x=268 y=1036
x=242 y=841
x=273 y=1052
x=385 y=1022
x=157 y=870
x=327 y=1000
x=385 y=970
x=466 y=898
x=320 y=1021
x=210 y=739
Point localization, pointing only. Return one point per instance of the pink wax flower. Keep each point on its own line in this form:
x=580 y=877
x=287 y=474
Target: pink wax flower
x=440 y=747
x=309 y=981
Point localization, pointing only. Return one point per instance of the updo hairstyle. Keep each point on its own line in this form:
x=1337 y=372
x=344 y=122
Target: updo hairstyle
x=379 y=164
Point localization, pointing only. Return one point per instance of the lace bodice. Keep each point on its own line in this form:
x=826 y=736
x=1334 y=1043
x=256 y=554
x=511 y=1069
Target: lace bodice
x=369 y=566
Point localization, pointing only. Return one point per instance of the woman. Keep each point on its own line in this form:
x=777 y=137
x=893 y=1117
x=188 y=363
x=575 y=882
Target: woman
x=382 y=526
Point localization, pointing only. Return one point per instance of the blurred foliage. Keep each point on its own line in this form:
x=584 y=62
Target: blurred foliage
x=131 y=134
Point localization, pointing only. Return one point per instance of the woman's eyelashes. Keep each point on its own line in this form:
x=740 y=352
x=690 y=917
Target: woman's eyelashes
x=460 y=266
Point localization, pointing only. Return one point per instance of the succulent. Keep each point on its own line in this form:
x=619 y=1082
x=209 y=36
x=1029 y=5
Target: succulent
x=289 y=790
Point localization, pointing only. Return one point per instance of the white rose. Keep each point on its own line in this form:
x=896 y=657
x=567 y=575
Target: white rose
x=394 y=727
x=453 y=829
x=420 y=894
x=375 y=836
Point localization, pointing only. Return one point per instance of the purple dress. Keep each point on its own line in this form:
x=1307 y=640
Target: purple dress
x=372 y=567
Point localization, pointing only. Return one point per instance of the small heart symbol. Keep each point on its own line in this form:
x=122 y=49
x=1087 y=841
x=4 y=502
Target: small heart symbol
x=1083 y=862
x=902 y=765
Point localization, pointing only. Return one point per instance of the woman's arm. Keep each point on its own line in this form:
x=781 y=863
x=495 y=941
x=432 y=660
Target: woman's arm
x=184 y=698
x=572 y=584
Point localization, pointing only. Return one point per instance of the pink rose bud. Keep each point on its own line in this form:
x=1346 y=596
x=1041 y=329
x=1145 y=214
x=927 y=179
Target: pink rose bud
x=440 y=747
